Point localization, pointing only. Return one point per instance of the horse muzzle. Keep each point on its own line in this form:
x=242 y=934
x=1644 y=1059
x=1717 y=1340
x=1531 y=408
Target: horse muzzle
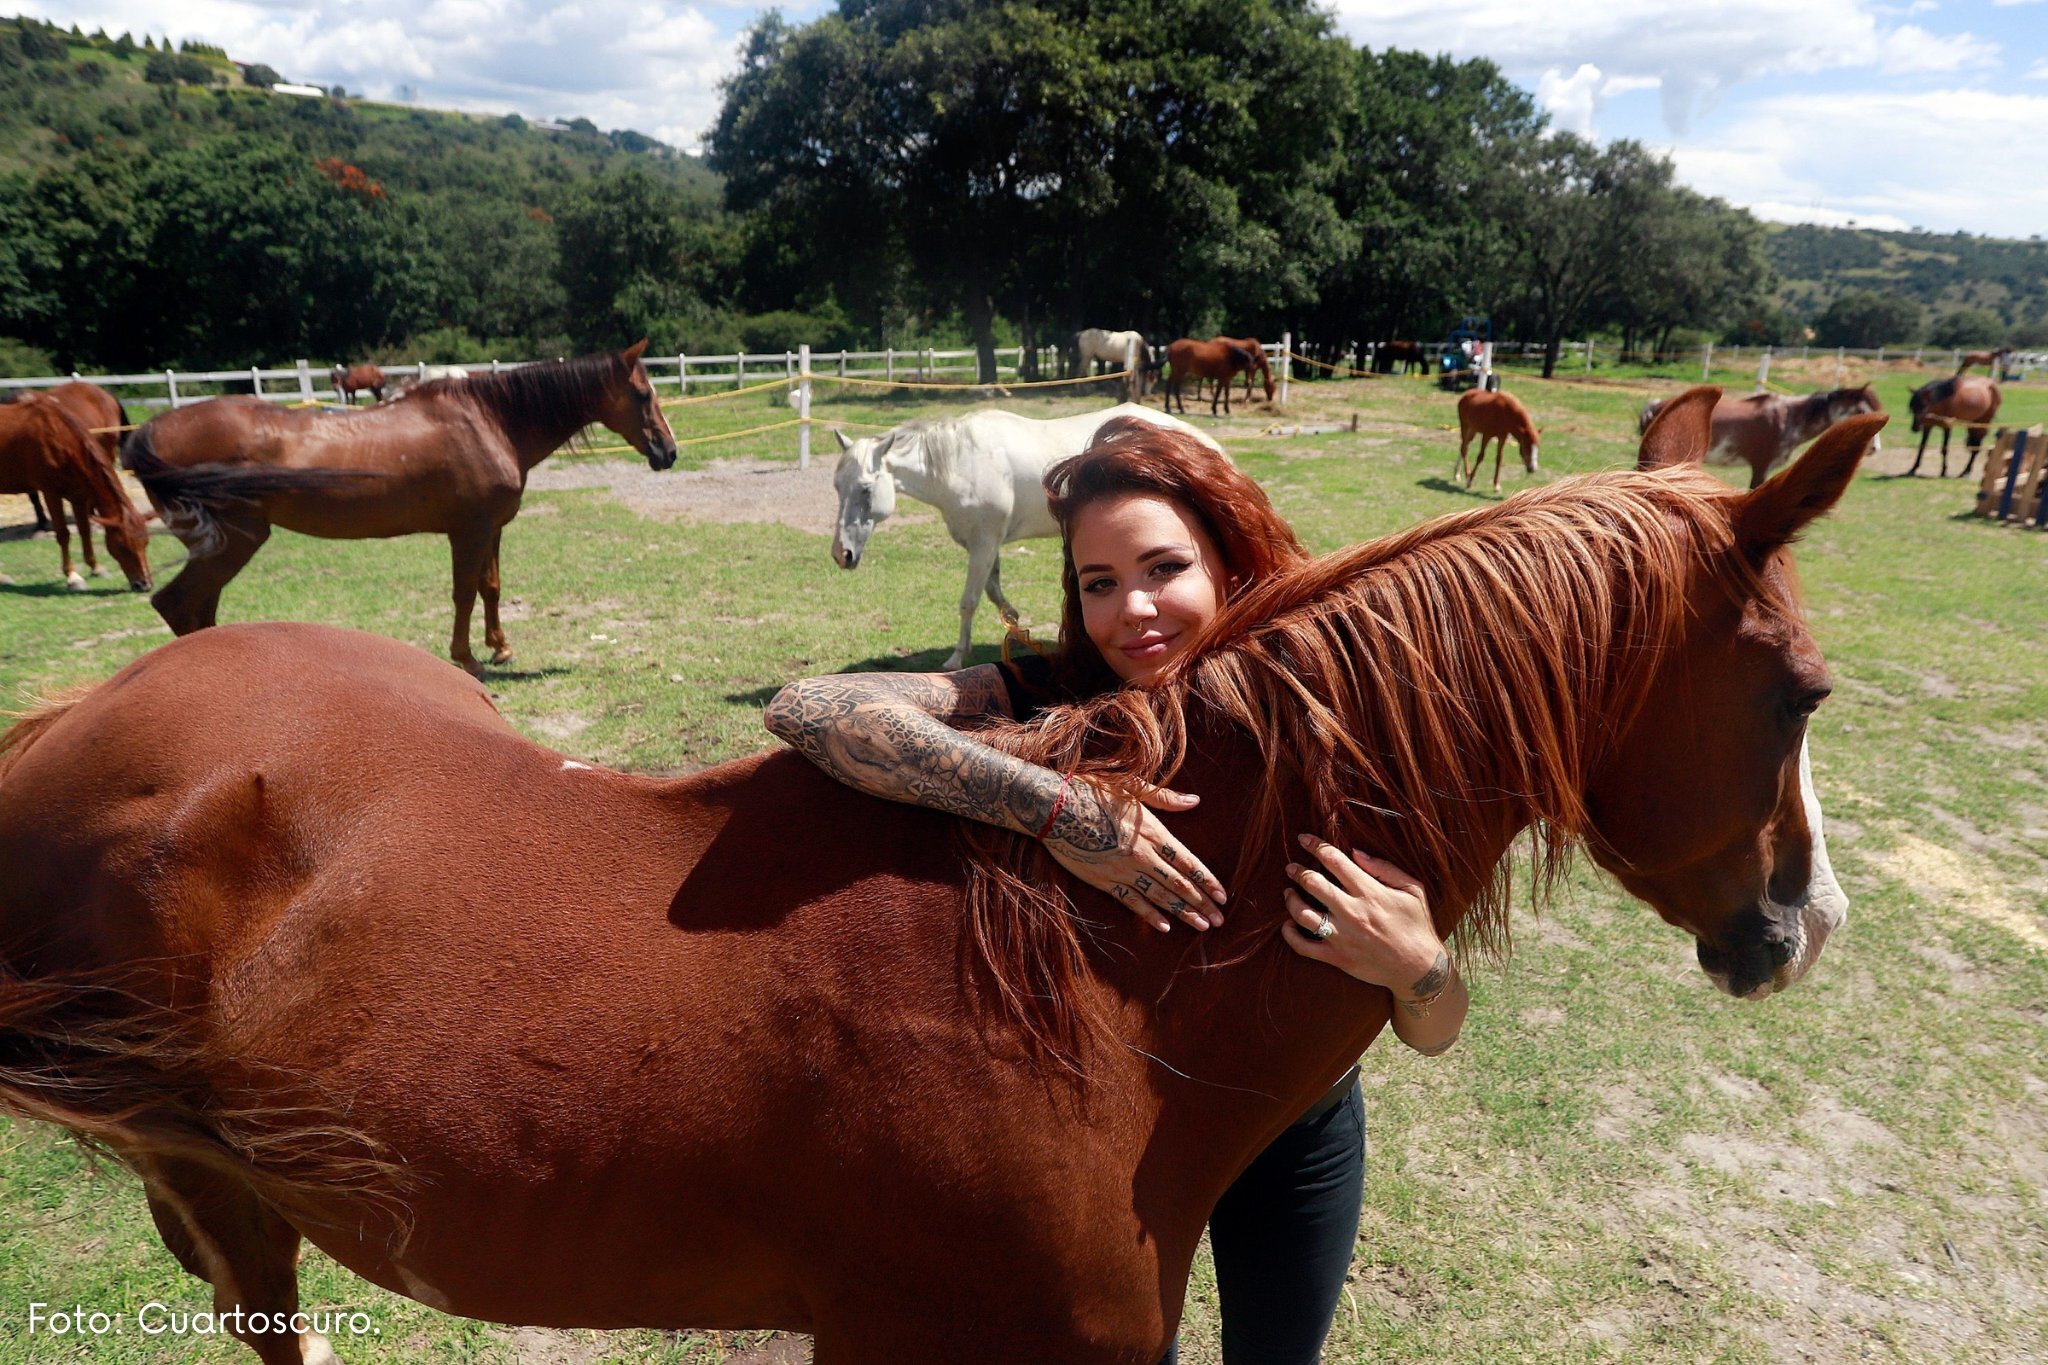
x=844 y=555
x=662 y=456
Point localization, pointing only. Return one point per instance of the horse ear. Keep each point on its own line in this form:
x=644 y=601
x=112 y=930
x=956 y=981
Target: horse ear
x=1681 y=431
x=844 y=444
x=1770 y=516
x=632 y=353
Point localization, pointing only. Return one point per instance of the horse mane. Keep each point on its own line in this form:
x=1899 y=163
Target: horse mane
x=1405 y=693
x=84 y=451
x=1934 y=391
x=561 y=395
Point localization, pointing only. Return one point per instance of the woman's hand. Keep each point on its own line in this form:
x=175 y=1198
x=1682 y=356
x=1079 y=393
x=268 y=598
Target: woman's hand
x=1117 y=845
x=1374 y=922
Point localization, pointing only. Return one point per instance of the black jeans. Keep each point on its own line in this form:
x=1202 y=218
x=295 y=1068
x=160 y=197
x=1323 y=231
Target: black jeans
x=1282 y=1237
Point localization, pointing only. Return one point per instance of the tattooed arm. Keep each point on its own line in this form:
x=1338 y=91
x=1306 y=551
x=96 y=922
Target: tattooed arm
x=892 y=735
x=1379 y=931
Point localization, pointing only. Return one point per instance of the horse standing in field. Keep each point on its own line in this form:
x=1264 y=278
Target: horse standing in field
x=350 y=380
x=1945 y=402
x=1492 y=415
x=1993 y=361
x=1219 y=359
x=345 y=957
x=1409 y=355
x=452 y=460
x=1762 y=430
x=1250 y=344
x=1116 y=350
x=984 y=472
x=44 y=449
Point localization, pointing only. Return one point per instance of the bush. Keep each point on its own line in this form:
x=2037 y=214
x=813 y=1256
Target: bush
x=171 y=68
x=40 y=45
x=1863 y=319
x=19 y=360
x=261 y=76
x=1968 y=327
x=1767 y=325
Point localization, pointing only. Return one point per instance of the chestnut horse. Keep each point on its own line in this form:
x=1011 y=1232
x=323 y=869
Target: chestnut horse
x=1994 y=361
x=1762 y=430
x=102 y=416
x=44 y=449
x=1250 y=344
x=452 y=459
x=1409 y=355
x=297 y=926
x=1220 y=359
x=1945 y=402
x=1492 y=415
x=350 y=380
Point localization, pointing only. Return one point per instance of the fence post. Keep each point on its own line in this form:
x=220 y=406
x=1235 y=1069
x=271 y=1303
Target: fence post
x=305 y=381
x=421 y=366
x=889 y=362
x=1918 y=351
x=496 y=368
x=171 y=383
x=930 y=365
x=1955 y=358
x=739 y=367
x=1589 y=355
x=1840 y=369
x=1763 y=370
x=682 y=374
x=1880 y=355
x=1803 y=351
x=1706 y=362
x=803 y=403
x=256 y=380
x=1286 y=364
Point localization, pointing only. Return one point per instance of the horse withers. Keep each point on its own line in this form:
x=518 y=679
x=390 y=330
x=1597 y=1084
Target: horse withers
x=452 y=459
x=1492 y=415
x=351 y=960
x=46 y=450
x=1964 y=399
x=984 y=472
x=1219 y=359
x=1762 y=430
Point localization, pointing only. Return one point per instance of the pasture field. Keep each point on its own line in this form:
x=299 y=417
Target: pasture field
x=1616 y=1163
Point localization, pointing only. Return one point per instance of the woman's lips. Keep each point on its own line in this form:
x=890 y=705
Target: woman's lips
x=1149 y=648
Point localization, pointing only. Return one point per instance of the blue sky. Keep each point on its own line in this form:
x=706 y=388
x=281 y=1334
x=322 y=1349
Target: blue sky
x=1905 y=113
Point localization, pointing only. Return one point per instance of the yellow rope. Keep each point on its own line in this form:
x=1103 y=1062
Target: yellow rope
x=817 y=378
x=783 y=382
x=1342 y=369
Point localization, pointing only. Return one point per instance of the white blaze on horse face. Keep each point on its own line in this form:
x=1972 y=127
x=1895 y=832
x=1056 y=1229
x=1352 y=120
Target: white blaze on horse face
x=867 y=495
x=1824 y=906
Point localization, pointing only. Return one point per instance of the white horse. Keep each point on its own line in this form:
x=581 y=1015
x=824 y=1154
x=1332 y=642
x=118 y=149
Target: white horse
x=984 y=472
x=1119 y=350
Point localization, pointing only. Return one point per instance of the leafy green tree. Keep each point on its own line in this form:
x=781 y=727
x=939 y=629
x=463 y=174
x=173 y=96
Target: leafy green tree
x=1968 y=327
x=635 y=254
x=260 y=76
x=1697 y=263
x=1863 y=318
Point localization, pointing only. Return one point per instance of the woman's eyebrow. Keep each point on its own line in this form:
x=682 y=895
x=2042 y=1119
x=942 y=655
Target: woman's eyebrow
x=1148 y=555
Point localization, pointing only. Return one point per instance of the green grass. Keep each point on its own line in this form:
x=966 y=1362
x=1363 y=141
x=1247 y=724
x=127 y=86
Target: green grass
x=1616 y=1163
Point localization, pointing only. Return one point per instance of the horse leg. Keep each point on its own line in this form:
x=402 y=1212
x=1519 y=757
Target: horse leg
x=468 y=550
x=494 y=633
x=995 y=591
x=191 y=601
x=1975 y=439
x=35 y=503
x=223 y=1233
x=83 y=516
x=1925 y=432
x=981 y=563
x=61 y=529
x=1945 y=433
x=1500 y=450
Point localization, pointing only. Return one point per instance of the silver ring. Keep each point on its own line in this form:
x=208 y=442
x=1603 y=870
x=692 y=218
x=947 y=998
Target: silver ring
x=1326 y=930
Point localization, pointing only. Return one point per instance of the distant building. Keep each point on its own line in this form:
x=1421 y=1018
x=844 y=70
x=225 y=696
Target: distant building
x=309 y=91
x=548 y=125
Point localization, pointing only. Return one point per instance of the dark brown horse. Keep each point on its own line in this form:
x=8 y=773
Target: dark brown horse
x=1762 y=430
x=290 y=918
x=44 y=449
x=1965 y=399
x=350 y=380
x=1250 y=344
x=1409 y=355
x=452 y=459
x=1221 y=360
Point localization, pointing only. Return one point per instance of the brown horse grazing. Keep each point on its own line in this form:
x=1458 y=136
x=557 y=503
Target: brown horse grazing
x=101 y=414
x=452 y=459
x=44 y=449
x=1965 y=399
x=1496 y=416
x=1762 y=430
x=290 y=917
x=1994 y=361
x=1250 y=344
x=1409 y=355
x=350 y=380
x=1221 y=360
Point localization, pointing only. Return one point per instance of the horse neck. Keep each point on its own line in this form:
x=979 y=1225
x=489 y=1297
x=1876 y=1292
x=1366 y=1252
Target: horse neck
x=537 y=424
x=909 y=462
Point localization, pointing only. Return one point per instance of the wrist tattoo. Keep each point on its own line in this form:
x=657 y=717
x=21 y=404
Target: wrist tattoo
x=1429 y=986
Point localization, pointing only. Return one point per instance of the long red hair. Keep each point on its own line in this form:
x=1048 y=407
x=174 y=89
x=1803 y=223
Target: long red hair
x=1130 y=455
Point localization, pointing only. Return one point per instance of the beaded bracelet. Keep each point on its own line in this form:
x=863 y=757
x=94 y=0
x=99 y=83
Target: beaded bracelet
x=1066 y=780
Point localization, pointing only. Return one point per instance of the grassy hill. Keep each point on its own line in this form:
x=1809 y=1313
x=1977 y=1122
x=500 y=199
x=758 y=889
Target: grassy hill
x=1940 y=272
x=100 y=95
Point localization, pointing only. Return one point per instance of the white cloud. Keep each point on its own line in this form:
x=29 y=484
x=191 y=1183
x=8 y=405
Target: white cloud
x=1694 y=51
x=2040 y=71
x=1940 y=159
x=1569 y=100
x=641 y=64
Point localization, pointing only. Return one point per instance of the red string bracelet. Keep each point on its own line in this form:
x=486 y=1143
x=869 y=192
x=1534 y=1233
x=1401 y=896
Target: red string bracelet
x=1066 y=780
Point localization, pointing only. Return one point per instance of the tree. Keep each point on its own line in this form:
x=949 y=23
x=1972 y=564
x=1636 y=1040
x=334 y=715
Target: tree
x=635 y=255
x=1863 y=318
x=1968 y=327
x=1697 y=263
x=1563 y=205
x=260 y=76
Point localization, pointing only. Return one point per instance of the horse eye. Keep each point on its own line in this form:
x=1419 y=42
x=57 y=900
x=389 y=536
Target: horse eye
x=1806 y=704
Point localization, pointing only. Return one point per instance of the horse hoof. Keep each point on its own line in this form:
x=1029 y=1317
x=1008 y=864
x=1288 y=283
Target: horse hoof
x=503 y=656
x=471 y=667
x=98 y=571
x=954 y=662
x=75 y=583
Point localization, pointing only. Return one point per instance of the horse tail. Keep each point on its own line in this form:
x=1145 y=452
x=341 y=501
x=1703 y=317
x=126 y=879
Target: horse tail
x=191 y=497
x=90 y=1052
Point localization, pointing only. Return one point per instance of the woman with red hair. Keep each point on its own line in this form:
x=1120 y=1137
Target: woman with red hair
x=1159 y=531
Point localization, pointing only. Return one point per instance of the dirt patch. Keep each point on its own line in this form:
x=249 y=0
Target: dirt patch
x=548 y=1346
x=767 y=491
x=1948 y=879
